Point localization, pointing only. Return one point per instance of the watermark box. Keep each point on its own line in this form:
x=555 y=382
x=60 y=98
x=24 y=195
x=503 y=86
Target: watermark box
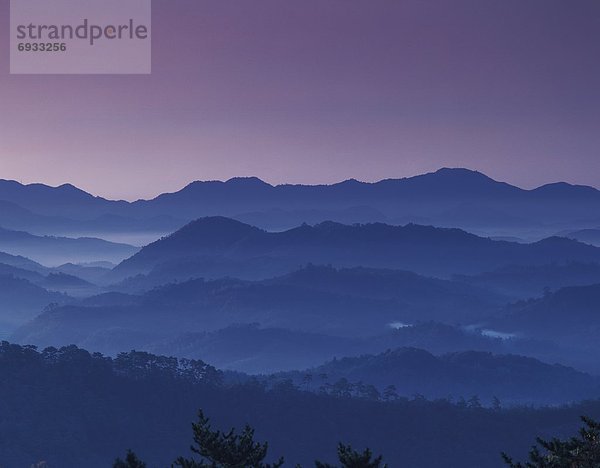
x=80 y=37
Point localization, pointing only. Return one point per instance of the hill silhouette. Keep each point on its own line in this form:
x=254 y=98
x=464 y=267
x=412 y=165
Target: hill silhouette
x=422 y=249
x=569 y=315
x=513 y=379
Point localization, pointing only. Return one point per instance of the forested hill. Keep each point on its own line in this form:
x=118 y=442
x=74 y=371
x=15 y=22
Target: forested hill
x=73 y=409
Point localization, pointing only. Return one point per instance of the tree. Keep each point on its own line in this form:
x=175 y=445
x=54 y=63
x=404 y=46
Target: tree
x=349 y=458
x=474 y=402
x=131 y=461
x=369 y=392
x=496 y=403
x=225 y=450
x=342 y=388
x=577 y=452
x=390 y=393
x=307 y=380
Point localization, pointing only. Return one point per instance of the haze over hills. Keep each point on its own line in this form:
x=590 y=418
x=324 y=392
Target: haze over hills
x=318 y=308
x=256 y=350
x=346 y=303
x=54 y=251
x=448 y=197
x=373 y=301
x=21 y=262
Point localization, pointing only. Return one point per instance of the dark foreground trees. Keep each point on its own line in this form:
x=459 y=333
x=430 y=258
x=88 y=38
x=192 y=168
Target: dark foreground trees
x=582 y=451
x=218 y=449
x=349 y=458
x=131 y=461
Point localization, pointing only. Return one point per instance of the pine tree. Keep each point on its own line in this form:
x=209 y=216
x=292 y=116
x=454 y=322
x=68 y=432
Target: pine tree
x=496 y=403
x=576 y=452
x=131 y=461
x=349 y=458
x=390 y=393
x=225 y=450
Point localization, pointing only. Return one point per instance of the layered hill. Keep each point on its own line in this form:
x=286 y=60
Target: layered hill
x=346 y=303
x=570 y=315
x=21 y=300
x=423 y=249
x=51 y=250
x=512 y=379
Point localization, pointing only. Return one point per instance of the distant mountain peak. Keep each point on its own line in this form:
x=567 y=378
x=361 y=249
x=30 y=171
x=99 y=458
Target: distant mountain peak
x=460 y=171
x=462 y=175
x=212 y=232
x=218 y=222
x=564 y=189
x=248 y=181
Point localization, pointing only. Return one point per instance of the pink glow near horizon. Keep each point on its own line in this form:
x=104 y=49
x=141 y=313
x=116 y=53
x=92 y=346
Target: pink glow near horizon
x=321 y=91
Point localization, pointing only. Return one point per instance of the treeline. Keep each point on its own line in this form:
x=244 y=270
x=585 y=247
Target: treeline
x=71 y=408
x=344 y=388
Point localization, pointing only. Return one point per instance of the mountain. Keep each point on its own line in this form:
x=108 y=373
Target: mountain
x=442 y=198
x=90 y=216
x=239 y=193
x=65 y=200
x=423 y=249
x=512 y=379
x=57 y=250
x=455 y=197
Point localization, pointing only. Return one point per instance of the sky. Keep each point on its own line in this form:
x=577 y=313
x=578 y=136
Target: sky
x=318 y=91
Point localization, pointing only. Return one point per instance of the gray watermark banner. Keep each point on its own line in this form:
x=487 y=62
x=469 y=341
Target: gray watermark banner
x=80 y=37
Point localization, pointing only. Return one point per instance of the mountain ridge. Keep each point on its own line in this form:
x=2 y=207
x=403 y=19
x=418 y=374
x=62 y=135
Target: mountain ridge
x=9 y=186
x=448 y=197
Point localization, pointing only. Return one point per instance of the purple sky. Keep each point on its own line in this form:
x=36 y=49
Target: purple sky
x=317 y=91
